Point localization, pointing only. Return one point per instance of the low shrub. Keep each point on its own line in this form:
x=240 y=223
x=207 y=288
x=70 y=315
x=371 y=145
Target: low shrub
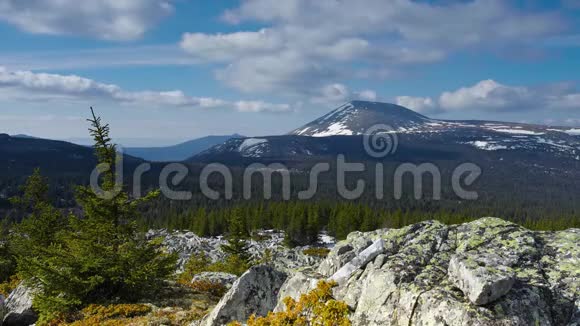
x=204 y=286
x=109 y=315
x=318 y=307
x=261 y=237
x=316 y=252
x=199 y=263
x=233 y=264
x=117 y=310
x=8 y=286
x=174 y=317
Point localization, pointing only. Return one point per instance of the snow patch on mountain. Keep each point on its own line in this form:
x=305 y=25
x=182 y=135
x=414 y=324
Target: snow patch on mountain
x=553 y=143
x=571 y=132
x=337 y=128
x=486 y=145
x=519 y=132
x=247 y=143
x=511 y=129
x=253 y=147
x=344 y=107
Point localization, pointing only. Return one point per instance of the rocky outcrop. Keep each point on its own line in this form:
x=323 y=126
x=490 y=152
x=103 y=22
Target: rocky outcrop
x=186 y=244
x=487 y=272
x=224 y=279
x=18 y=308
x=255 y=292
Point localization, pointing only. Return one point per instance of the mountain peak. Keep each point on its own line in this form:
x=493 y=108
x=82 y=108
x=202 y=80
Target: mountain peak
x=356 y=117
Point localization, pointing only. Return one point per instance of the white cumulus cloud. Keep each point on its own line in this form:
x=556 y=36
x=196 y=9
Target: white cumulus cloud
x=333 y=94
x=32 y=86
x=118 y=20
x=367 y=95
x=307 y=45
x=489 y=95
x=224 y=47
x=418 y=104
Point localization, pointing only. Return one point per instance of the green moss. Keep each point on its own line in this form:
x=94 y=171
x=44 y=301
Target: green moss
x=498 y=309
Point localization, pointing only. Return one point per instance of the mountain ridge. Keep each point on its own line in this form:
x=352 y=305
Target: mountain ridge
x=178 y=152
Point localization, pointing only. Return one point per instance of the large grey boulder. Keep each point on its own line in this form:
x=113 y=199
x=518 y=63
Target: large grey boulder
x=18 y=307
x=482 y=278
x=255 y=292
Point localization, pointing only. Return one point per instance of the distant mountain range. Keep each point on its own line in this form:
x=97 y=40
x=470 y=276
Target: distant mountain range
x=342 y=130
x=20 y=155
x=338 y=132
x=23 y=136
x=514 y=157
x=173 y=153
x=521 y=165
x=180 y=151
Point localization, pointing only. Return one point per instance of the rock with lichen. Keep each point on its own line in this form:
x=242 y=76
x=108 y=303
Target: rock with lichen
x=486 y=272
x=18 y=307
x=301 y=282
x=482 y=278
x=255 y=292
x=367 y=255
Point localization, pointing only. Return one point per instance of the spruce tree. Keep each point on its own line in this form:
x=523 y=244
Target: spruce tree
x=33 y=238
x=99 y=257
x=237 y=237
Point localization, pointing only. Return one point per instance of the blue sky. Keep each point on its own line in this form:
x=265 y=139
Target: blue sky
x=161 y=71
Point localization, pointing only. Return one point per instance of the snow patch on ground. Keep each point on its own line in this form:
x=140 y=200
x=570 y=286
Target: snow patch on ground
x=326 y=240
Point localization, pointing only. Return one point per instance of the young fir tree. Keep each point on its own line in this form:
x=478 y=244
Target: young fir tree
x=237 y=237
x=33 y=238
x=313 y=225
x=100 y=257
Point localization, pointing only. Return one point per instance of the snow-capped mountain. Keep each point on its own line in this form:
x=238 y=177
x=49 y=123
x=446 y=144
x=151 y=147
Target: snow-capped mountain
x=359 y=117
x=356 y=117
x=341 y=130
